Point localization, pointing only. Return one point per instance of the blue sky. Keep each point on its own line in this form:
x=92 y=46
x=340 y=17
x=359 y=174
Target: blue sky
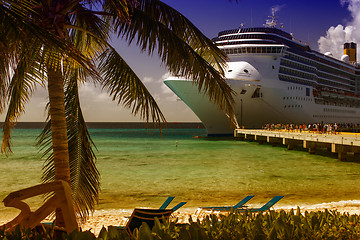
x=308 y=20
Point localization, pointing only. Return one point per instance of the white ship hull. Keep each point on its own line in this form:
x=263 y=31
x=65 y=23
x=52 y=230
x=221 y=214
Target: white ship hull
x=278 y=80
x=261 y=98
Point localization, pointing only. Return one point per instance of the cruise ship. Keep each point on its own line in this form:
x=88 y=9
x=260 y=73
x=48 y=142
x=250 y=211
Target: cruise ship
x=277 y=79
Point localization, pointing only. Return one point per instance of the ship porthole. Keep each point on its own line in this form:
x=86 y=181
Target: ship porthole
x=245 y=70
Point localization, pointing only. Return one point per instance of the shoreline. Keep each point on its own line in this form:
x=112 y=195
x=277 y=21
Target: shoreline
x=116 y=125
x=118 y=217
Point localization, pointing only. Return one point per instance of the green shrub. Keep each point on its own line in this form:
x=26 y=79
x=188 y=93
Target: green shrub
x=269 y=225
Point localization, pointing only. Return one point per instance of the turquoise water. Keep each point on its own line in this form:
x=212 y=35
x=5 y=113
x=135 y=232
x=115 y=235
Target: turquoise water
x=140 y=168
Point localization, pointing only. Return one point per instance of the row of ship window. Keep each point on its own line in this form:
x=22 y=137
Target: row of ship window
x=331 y=77
x=334 y=116
x=294 y=74
x=298 y=66
x=246 y=36
x=327 y=77
x=293 y=106
x=329 y=83
x=323 y=65
x=336 y=103
x=338 y=110
x=253 y=50
x=258 y=29
x=326 y=63
x=336 y=72
x=294 y=79
x=295 y=88
x=243 y=42
x=299 y=59
x=297 y=98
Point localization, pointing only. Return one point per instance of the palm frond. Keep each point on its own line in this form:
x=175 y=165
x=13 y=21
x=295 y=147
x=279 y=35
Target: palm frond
x=22 y=17
x=161 y=13
x=85 y=178
x=89 y=33
x=84 y=175
x=119 y=8
x=9 y=56
x=24 y=80
x=44 y=143
x=125 y=87
x=181 y=47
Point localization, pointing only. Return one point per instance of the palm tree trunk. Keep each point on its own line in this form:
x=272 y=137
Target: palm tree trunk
x=59 y=131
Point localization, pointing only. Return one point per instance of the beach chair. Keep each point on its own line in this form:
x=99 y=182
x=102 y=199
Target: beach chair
x=140 y=215
x=178 y=206
x=229 y=208
x=166 y=203
x=147 y=216
x=28 y=219
x=265 y=207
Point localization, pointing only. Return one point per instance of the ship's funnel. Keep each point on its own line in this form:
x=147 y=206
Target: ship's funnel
x=350 y=50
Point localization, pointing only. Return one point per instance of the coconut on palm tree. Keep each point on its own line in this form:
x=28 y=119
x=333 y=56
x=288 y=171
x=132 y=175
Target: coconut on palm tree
x=60 y=44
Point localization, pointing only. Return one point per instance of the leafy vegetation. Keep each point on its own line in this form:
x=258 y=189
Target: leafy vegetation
x=269 y=225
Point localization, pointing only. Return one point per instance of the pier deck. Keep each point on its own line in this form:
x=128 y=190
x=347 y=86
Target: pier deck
x=346 y=145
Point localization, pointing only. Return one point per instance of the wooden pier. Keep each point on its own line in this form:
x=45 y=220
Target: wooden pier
x=345 y=145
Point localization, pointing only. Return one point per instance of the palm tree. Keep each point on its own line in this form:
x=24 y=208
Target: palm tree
x=60 y=44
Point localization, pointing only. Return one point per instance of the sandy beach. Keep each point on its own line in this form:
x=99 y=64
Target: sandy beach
x=118 y=217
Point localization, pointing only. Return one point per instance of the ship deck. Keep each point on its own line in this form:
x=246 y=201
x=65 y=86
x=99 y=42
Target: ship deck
x=345 y=145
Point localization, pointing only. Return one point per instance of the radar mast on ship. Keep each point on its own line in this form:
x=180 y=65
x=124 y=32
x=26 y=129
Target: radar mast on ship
x=271 y=23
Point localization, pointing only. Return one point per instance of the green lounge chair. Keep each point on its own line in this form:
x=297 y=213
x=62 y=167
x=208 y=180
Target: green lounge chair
x=266 y=206
x=148 y=216
x=178 y=206
x=166 y=203
x=140 y=215
x=229 y=208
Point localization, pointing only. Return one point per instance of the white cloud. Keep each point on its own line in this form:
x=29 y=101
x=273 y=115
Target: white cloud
x=165 y=76
x=157 y=97
x=336 y=36
x=158 y=86
x=35 y=109
x=91 y=93
x=164 y=88
x=148 y=79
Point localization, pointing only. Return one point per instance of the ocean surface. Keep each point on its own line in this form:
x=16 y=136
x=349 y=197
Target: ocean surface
x=140 y=168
